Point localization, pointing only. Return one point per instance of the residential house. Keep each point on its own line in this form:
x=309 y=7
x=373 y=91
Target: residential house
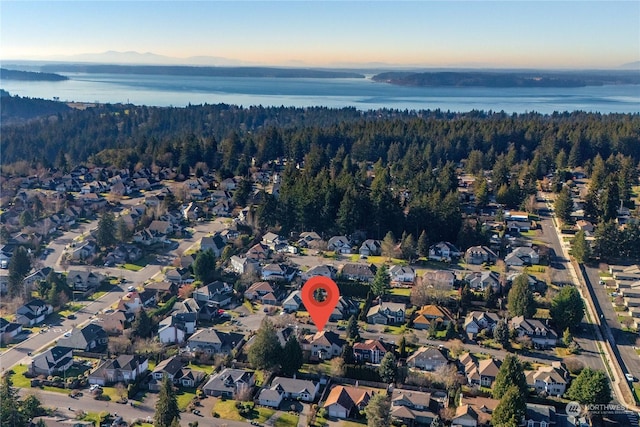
x=339 y=244
x=402 y=275
x=521 y=256
x=83 y=250
x=479 y=372
x=478 y=410
x=229 y=383
x=289 y=388
x=228 y=184
x=214 y=243
x=258 y=252
x=432 y=313
x=91 y=337
x=585 y=226
x=292 y=302
x=278 y=272
x=320 y=270
x=439 y=279
x=427 y=359
x=387 y=313
x=516 y=227
x=323 y=345
x=309 y=239
x=176 y=371
x=219 y=293
x=481 y=280
x=539 y=416
x=191 y=211
x=358 y=272
x=244 y=265
x=346 y=401
x=163 y=290
x=171 y=330
x=370 y=247
x=258 y=290
x=371 y=351
x=39 y=275
x=274 y=241
x=52 y=361
x=541 y=335
x=480 y=255
x=413 y=407
x=164 y=228
x=80 y=280
x=344 y=309
x=113 y=322
x=552 y=380
x=33 y=312
x=444 y=251
x=477 y=321
x=8 y=330
x=211 y=341
x=124 y=369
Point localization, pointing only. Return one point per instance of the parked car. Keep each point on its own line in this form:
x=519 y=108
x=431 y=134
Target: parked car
x=630 y=377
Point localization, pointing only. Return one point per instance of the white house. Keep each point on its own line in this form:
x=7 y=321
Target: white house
x=402 y=275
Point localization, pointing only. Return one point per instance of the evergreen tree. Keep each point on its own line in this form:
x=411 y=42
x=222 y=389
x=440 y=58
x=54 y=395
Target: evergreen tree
x=31 y=407
x=409 y=248
x=511 y=374
x=53 y=297
x=567 y=308
x=388 y=368
x=265 y=351
x=143 y=325
x=590 y=387
x=501 y=333
x=9 y=405
x=580 y=248
x=491 y=297
x=388 y=245
x=510 y=410
x=167 y=405
x=450 y=332
x=402 y=347
x=567 y=338
x=106 y=234
x=520 y=300
x=204 y=266
x=378 y=411
x=123 y=232
x=423 y=244
x=347 y=354
x=610 y=200
x=381 y=282
x=19 y=266
x=563 y=205
x=291 y=356
x=466 y=296
x=353 y=331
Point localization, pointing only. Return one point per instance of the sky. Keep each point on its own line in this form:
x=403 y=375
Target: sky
x=495 y=34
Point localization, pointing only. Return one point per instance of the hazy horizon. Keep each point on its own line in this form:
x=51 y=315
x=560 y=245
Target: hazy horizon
x=419 y=34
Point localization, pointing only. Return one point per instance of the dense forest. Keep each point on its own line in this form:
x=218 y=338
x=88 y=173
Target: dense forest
x=509 y=79
x=16 y=109
x=348 y=170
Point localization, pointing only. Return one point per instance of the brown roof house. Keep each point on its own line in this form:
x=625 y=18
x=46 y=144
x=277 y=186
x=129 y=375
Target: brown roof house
x=347 y=402
x=432 y=313
x=371 y=351
x=427 y=359
x=413 y=407
x=480 y=372
x=323 y=345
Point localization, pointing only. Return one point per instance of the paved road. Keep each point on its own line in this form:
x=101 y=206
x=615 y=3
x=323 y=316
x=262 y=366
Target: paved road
x=585 y=336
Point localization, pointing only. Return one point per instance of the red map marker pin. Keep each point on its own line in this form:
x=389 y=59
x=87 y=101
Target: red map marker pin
x=320 y=311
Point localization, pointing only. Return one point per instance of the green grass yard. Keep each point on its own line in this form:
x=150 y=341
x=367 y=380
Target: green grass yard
x=287 y=420
x=184 y=398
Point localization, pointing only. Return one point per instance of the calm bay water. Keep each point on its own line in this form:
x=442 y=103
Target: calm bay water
x=362 y=94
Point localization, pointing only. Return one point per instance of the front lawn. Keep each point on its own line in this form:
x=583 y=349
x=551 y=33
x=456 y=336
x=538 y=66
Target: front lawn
x=401 y=292
x=132 y=267
x=227 y=410
x=288 y=420
x=184 y=398
x=18 y=379
x=208 y=369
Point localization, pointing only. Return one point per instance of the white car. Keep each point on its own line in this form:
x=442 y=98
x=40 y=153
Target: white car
x=630 y=378
x=131 y=289
x=67 y=334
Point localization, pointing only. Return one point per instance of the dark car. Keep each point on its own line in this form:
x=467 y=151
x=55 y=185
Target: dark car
x=71 y=316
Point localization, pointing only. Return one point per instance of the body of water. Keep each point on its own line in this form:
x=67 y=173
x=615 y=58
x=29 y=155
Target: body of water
x=363 y=94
